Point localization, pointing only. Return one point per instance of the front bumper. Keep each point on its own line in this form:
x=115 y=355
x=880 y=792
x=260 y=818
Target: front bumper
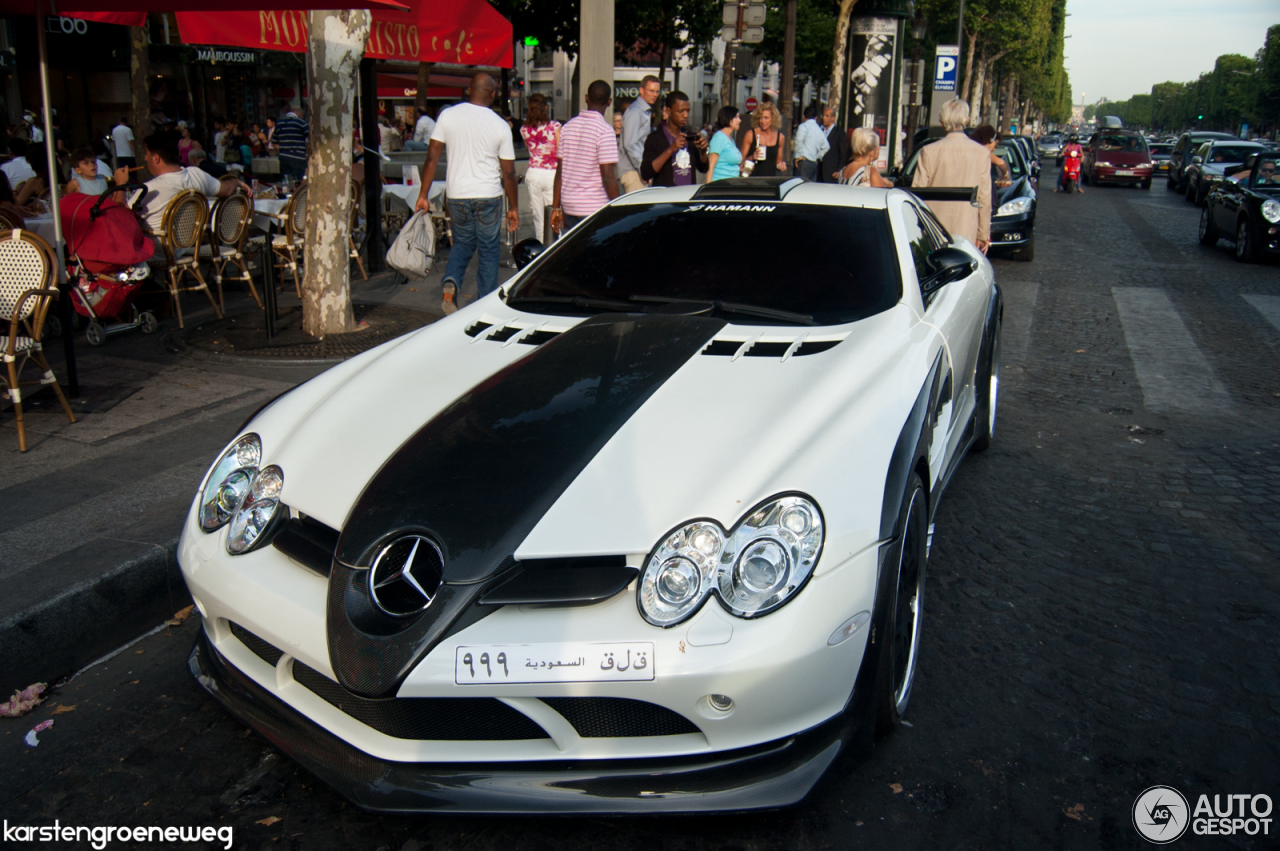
x=766 y=776
x=1012 y=232
x=1111 y=174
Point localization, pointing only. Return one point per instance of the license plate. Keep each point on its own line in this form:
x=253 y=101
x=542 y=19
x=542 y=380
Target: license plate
x=572 y=662
x=1124 y=173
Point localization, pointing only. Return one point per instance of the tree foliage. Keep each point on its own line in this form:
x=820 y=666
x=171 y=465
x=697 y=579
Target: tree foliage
x=554 y=23
x=815 y=35
x=666 y=27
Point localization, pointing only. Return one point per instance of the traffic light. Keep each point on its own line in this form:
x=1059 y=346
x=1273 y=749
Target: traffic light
x=1200 y=118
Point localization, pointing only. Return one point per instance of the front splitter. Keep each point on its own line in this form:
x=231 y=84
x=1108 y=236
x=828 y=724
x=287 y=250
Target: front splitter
x=768 y=776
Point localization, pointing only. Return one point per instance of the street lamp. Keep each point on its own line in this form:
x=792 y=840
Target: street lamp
x=919 y=29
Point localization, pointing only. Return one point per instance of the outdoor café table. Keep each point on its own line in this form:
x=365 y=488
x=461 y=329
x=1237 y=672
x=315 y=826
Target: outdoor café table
x=266 y=212
x=41 y=226
x=408 y=195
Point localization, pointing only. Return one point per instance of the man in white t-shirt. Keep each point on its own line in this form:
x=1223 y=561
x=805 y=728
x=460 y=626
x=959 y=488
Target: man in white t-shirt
x=421 y=133
x=17 y=169
x=170 y=178
x=482 y=165
x=122 y=137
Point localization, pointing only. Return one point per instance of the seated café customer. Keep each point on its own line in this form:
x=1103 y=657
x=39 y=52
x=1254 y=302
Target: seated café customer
x=161 y=159
x=17 y=169
x=201 y=160
x=7 y=201
x=35 y=187
x=85 y=167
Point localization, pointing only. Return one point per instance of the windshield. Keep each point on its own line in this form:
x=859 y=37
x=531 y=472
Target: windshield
x=1161 y=149
x=835 y=264
x=1116 y=142
x=1231 y=153
x=1268 y=175
x=1016 y=168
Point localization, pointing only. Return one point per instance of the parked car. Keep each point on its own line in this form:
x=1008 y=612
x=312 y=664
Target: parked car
x=1160 y=152
x=1013 y=223
x=1212 y=161
x=1050 y=144
x=1117 y=156
x=1030 y=153
x=1183 y=149
x=1245 y=207
x=628 y=552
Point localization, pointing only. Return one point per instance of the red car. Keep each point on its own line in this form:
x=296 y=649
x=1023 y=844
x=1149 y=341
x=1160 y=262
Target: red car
x=1117 y=156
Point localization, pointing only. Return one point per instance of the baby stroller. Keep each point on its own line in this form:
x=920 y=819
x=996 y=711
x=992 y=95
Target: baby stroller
x=108 y=264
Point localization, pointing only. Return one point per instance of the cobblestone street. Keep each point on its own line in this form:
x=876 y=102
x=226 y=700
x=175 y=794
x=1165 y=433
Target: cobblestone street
x=1102 y=606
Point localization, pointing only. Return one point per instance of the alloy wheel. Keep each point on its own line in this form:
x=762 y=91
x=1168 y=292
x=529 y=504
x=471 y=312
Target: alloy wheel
x=909 y=609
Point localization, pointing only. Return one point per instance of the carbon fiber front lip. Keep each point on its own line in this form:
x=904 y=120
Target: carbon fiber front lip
x=768 y=776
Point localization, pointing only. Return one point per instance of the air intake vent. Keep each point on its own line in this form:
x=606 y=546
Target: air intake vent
x=308 y=542
x=537 y=338
x=477 y=328
x=264 y=650
x=725 y=348
x=768 y=350
x=619 y=717
x=504 y=334
x=816 y=347
x=454 y=719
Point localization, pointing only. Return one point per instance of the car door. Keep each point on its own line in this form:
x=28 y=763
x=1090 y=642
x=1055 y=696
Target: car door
x=1177 y=156
x=1229 y=200
x=957 y=312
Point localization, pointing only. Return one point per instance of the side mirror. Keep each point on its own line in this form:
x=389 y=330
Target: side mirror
x=948 y=264
x=1197 y=159
x=526 y=251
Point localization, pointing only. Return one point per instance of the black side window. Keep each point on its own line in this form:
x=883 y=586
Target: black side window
x=918 y=241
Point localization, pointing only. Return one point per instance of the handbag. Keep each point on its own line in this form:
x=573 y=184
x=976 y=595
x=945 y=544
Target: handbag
x=413 y=251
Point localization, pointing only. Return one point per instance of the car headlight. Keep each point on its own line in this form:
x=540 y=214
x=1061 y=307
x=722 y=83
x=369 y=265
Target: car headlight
x=229 y=482
x=1016 y=207
x=1271 y=211
x=752 y=570
x=1102 y=163
x=260 y=508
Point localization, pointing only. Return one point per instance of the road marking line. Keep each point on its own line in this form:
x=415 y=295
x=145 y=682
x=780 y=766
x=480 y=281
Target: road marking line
x=1267 y=305
x=1174 y=375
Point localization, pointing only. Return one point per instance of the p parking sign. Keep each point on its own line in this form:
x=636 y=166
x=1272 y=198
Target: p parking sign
x=945 y=68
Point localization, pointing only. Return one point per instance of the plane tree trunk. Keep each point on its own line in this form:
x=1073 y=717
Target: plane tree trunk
x=336 y=45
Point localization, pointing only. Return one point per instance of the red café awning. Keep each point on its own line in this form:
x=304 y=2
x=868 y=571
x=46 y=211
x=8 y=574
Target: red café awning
x=133 y=13
x=462 y=32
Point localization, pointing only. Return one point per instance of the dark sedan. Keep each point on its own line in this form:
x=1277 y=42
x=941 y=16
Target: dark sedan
x=1160 y=152
x=1245 y=207
x=1212 y=162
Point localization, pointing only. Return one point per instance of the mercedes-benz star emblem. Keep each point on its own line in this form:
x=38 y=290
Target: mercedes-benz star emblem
x=406 y=575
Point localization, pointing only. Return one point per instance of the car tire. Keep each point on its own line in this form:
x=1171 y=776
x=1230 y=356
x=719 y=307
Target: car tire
x=987 y=387
x=1207 y=236
x=1027 y=252
x=1245 y=251
x=1145 y=185
x=1189 y=191
x=1169 y=183
x=900 y=637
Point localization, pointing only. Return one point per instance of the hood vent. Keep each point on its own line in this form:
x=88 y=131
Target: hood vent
x=506 y=332
x=780 y=349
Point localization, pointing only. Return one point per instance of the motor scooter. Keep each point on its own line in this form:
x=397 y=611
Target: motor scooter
x=1071 y=170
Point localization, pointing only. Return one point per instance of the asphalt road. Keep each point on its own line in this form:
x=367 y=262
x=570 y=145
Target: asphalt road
x=1101 y=613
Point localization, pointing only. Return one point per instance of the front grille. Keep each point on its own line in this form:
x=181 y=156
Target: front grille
x=308 y=542
x=434 y=718
x=610 y=717
x=261 y=648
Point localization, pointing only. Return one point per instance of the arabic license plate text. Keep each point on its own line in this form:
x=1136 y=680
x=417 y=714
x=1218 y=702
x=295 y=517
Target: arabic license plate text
x=570 y=662
x=1124 y=173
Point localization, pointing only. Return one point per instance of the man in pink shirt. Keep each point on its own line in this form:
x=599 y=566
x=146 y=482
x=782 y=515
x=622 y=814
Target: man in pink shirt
x=588 y=153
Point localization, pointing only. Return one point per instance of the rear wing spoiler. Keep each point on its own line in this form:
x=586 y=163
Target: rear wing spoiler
x=947 y=193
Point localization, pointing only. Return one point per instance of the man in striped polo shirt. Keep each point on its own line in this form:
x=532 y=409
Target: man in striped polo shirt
x=588 y=152
x=291 y=135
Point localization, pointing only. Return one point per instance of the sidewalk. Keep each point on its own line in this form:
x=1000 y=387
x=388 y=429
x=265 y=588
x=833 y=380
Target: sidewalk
x=92 y=510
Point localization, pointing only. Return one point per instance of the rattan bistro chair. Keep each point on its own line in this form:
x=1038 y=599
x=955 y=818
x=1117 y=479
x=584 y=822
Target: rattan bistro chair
x=288 y=245
x=9 y=219
x=230 y=241
x=181 y=232
x=27 y=271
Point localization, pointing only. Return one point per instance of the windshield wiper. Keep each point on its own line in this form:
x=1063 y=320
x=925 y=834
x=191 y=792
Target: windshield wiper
x=731 y=307
x=575 y=300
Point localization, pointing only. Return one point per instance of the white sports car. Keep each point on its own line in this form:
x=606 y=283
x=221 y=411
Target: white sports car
x=643 y=531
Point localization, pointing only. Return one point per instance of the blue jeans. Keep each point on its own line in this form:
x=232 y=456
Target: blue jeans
x=416 y=146
x=808 y=170
x=477 y=224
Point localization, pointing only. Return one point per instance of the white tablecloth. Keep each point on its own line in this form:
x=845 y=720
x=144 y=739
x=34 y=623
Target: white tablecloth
x=405 y=197
x=42 y=226
x=266 y=212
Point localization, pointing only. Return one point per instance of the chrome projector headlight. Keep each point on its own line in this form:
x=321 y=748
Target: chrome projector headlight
x=1271 y=211
x=237 y=492
x=1016 y=207
x=752 y=570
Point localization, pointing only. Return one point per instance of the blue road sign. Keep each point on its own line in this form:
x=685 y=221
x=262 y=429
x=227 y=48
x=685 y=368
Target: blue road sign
x=945 y=68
